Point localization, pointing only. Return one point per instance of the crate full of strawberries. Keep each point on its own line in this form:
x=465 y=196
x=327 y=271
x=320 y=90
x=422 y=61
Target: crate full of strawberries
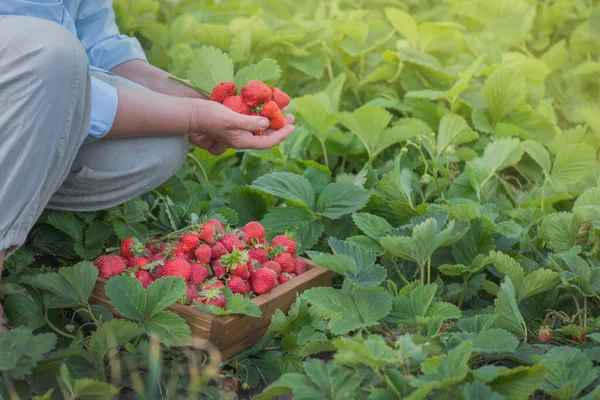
x=233 y=276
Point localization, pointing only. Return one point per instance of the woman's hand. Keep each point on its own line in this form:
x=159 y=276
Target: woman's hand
x=216 y=128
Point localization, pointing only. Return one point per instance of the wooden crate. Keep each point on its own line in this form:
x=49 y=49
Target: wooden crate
x=234 y=333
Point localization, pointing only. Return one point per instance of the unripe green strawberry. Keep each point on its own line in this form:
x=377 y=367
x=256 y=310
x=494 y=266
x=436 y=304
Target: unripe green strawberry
x=270 y=110
x=256 y=93
x=279 y=96
x=237 y=104
x=278 y=123
x=545 y=334
x=222 y=91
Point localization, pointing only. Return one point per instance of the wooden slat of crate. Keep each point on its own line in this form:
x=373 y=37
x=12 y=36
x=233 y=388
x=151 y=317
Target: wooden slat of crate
x=234 y=333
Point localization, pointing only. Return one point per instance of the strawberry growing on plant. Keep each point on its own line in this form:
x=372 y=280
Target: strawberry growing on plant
x=545 y=334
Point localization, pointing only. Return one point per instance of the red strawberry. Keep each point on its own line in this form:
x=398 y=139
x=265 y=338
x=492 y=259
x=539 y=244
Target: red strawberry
x=286 y=261
x=237 y=104
x=212 y=296
x=239 y=269
x=222 y=91
x=258 y=133
x=280 y=97
x=248 y=274
x=254 y=231
x=238 y=285
x=545 y=334
x=270 y=110
x=213 y=284
x=231 y=242
x=144 y=277
x=274 y=266
x=137 y=262
x=153 y=248
x=256 y=93
x=157 y=272
x=217 y=225
x=283 y=278
x=218 y=270
x=218 y=250
x=258 y=254
x=131 y=247
x=192 y=292
x=263 y=280
x=579 y=339
x=198 y=274
x=278 y=123
x=189 y=242
x=286 y=242
x=109 y=266
x=177 y=267
x=299 y=266
x=207 y=234
x=203 y=254
x=155 y=257
x=186 y=255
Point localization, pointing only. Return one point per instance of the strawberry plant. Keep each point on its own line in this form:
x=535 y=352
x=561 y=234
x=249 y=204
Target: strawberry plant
x=444 y=167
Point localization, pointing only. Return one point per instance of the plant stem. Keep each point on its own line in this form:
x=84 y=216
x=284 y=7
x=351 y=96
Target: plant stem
x=422 y=268
x=193 y=157
x=55 y=329
x=188 y=84
x=324 y=153
x=388 y=330
x=462 y=292
x=584 y=312
x=429 y=270
x=544 y=193
x=10 y=386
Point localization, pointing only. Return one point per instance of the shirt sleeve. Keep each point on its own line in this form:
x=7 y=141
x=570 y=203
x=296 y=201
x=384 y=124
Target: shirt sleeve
x=105 y=46
x=105 y=102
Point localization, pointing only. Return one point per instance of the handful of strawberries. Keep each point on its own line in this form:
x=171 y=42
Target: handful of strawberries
x=210 y=259
x=257 y=98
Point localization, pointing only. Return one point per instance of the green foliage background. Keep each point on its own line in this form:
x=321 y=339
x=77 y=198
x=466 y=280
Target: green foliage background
x=444 y=166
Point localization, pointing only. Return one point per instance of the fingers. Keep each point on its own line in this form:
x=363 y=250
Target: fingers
x=249 y=123
x=218 y=149
x=270 y=139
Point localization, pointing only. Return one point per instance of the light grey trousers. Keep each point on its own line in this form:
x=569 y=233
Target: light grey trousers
x=45 y=106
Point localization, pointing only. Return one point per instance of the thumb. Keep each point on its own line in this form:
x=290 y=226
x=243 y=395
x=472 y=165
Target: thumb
x=250 y=123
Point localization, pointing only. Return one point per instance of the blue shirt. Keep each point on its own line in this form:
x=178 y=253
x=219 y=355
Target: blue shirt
x=93 y=22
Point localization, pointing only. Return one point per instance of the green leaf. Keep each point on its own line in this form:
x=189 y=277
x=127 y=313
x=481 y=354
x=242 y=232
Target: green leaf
x=507 y=266
x=368 y=124
x=301 y=385
x=68 y=223
x=494 y=341
x=249 y=204
x=520 y=382
x=170 y=328
x=90 y=389
x=504 y=90
x=572 y=163
x=539 y=281
x=266 y=70
x=507 y=310
x=21 y=309
x=162 y=293
x=289 y=186
x=404 y=24
x=477 y=323
x=338 y=263
x=538 y=153
x=453 y=130
x=82 y=278
x=20 y=350
x=338 y=199
x=209 y=67
x=569 y=372
x=559 y=231
x=127 y=296
x=234 y=304
x=451 y=370
x=372 y=225
x=113 y=334
x=279 y=220
x=498 y=155
x=327 y=302
x=372 y=306
x=480 y=391
x=308 y=234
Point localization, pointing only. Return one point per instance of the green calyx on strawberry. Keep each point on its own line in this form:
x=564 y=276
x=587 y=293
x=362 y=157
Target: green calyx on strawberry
x=236 y=262
x=212 y=296
x=545 y=334
x=132 y=247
